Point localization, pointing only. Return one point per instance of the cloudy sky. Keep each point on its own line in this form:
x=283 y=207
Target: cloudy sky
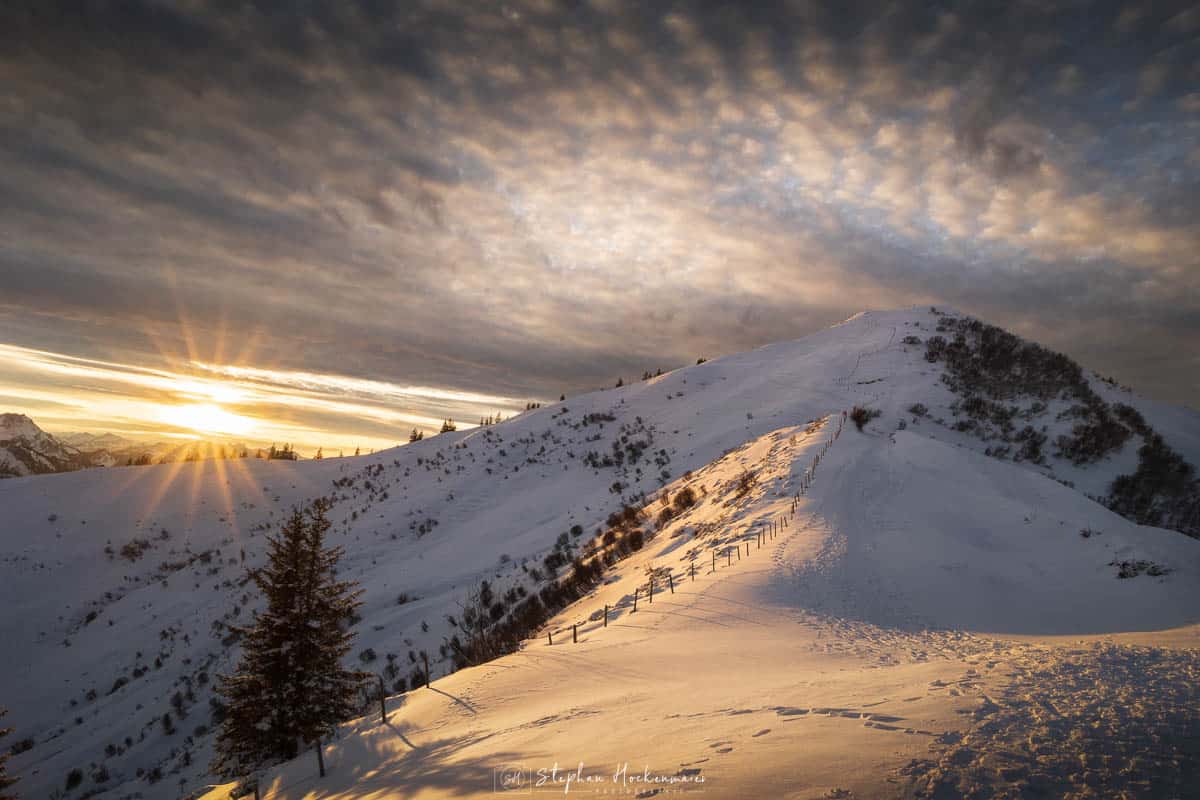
x=352 y=218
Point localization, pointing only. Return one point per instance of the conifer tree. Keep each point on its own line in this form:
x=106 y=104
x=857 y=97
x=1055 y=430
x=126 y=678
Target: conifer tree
x=5 y=780
x=290 y=689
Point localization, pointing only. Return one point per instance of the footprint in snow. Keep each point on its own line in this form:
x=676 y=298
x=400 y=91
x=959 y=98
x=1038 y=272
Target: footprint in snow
x=785 y=711
x=881 y=726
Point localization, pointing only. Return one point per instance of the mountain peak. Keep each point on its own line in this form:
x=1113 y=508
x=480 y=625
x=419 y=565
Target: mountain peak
x=18 y=426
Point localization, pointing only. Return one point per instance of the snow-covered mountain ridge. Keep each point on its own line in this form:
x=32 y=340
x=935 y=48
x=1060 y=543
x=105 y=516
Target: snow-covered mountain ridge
x=115 y=665
x=25 y=449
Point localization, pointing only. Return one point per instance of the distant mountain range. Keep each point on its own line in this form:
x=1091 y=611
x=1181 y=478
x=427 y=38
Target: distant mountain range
x=26 y=449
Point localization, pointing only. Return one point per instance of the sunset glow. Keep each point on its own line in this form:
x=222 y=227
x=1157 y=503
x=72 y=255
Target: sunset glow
x=254 y=406
x=444 y=398
x=207 y=418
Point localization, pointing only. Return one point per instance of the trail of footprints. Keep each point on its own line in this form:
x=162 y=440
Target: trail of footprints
x=1101 y=721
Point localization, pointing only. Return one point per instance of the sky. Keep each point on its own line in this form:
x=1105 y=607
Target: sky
x=337 y=221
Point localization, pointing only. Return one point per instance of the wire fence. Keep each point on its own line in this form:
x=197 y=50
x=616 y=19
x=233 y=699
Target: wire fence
x=766 y=531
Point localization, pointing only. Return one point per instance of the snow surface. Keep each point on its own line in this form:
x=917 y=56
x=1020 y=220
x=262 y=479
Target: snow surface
x=881 y=602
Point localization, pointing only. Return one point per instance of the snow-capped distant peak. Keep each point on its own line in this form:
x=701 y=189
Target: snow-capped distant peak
x=18 y=426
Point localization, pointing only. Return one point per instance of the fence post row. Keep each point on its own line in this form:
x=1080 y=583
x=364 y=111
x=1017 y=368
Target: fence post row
x=773 y=528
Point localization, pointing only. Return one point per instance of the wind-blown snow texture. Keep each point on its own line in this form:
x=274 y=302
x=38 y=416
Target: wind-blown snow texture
x=911 y=545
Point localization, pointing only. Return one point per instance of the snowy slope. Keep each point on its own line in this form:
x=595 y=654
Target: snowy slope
x=730 y=678
x=158 y=554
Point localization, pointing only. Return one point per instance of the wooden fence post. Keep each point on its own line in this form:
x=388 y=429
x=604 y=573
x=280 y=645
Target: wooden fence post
x=728 y=558
x=606 y=615
x=651 y=588
x=575 y=633
x=692 y=570
x=550 y=637
x=425 y=657
x=320 y=758
x=671 y=582
x=382 y=701
x=714 y=560
x=635 y=597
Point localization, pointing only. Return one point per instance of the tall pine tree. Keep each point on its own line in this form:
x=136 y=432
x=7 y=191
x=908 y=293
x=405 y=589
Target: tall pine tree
x=5 y=780
x=290 y=689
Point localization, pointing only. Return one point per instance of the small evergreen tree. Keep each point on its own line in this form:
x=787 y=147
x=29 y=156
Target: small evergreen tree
x=290 y=688
x=449 y=426
x=415 y=436
x=320 y=453
x=5 y=780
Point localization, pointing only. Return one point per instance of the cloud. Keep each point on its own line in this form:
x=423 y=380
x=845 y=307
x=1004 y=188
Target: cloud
x=521 y=199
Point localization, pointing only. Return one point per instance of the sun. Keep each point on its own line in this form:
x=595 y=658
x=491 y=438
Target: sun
x=206 y=418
